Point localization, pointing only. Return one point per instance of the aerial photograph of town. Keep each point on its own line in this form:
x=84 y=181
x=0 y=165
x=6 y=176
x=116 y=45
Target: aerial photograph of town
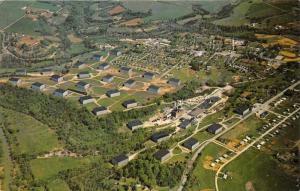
x=150 y=95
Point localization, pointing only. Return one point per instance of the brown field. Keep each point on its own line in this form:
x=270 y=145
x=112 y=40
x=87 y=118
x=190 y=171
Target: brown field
x=116 y=10
x=29 y=41
x=132 y=22
x=276 y=39
x=74 y=39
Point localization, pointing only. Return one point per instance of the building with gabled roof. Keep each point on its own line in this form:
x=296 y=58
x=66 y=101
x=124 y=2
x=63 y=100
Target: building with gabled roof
x=113 y=93
x=214 y=128
x=86 y=99
x=97 y=57
x=108 y=78
x=60 y=92
x=21 y=72
x=154 y=89
x=101 y=110
x=160 y=136
x=56 y=78
x=135 y=124
x=84 y=74
x=79 y=65
x=38 y=86
x=174 y=82
x=15 y=81
x=125 y=70
x=120 y=160
x=130 y=103
x=148 y=75
x=242 y=110
x=191 y=144
x=185 y=124
x=103 y=66
x=162 y=155
x=83 y=85
x=130 y=83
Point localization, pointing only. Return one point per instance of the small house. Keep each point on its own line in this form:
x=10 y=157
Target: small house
x=84 y=74
x=126 y=70
x=56 y=78
x=83 y=85
x=185 y=124
x=162 y=155
x=15 y=81
x=113 y=93
x=103 y=66
x=86 y=99
x=38 y=86
x=60 y=92
x=242 y=110
x=160 y=136
x=120 y=160
x=214 y=128
x=191 y=144
x=108 y=78
x=129 y=83
x=97 y=57
x=130 y=103
x=101 y=110
x=174 y=82
x=135 y=124
x=79 y=65
x=154 y=89
x=149 y=76
x=115 y=52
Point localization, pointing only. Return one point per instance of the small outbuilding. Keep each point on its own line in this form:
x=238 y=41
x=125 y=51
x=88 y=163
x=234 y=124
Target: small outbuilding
x=126 y=70
x=130 y=103
x=130 y=83
x=115 y=52
x=214 y=128
x=79 y=65
x=103 y=66
x=135 y=124
x=15 y=81
x=162 y=155
x=108 y=78
x=154 y=89
x=97 y=57
x=149 y=76
x=242 y=110
x=185 y=124
x=160 y=136
x=120 y=160
x=174 y=82
x=38 y=86
x=56 y=78
x=86 y=99
x=191 y=144
x=101 y=110
x=113 y=93
x=83 y=85
x=84 y=74
x=21 y=72
x=60 y=92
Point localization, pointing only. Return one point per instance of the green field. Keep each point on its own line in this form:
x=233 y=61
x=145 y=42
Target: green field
x=262 y=172
x=45 y=5
x=58 y=185
x=10 y=11
x=45 y=169
x=5 y=162
x=202 y=178
x=32 y=137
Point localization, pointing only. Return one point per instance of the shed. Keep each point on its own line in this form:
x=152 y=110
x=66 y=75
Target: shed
x=79 y=65
x=84 y=74
x=97 y=57
x=120 y=160
x=160 y=136
x=108 y=78
x=191 y=144
x=101 y=110
x=60 y=92
x=214 y=128
x=242 y=110
x=38 y=86
x=113 y=93
x=130 y=103
x=149 y=76
x=15 y=81
x=185 y=124
x=116 y=52
x=56 y=78
x=135 y=124
x=162 y=155
x=130 y=83
x=174 y=82
x=83 y=85
x=103 y=66
x=86 y=99
x=125 y=70
x=154 y=89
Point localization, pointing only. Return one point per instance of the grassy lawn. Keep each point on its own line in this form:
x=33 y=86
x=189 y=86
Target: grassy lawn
x=262 y=171
x=212 y=118
x=44 y=169
x=58 y=185
x=32 y=136
x=183 y=74
x=77 y=49
x=201 y=177
x=45 y=5
x=5 y=162
x=247 y=127
x=202 y=136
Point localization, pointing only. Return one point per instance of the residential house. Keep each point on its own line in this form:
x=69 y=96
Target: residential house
x=130 y=103
x=162 y=155
x=214 y=128
x=149 y=76
x=120 y=160
x=174 y=82
x=15 y=81
x=38 y=86
x=108 y=78
x=185 y=124
x=154 y=89
x=160 y=136
x=125 y=70
x=103 y=66
x=60 y=92
x=113 y=93
x=79 y=65
x=129 y=83
x=86 y=99
x=83 y=85
x=115 y=52
x=84 y=74
x=191 y=144
x=101 y=110
x=242 y=110
x=135 y=124
x=56 y=78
